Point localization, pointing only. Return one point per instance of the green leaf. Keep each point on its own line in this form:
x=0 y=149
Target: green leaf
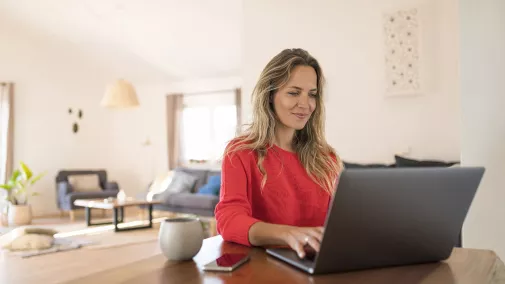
x=36 y=178
x=27 y=173
x=7 y=187
x=15 y=176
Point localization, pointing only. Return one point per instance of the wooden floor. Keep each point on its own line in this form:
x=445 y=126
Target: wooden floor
x=114 y=250
x=131 y=214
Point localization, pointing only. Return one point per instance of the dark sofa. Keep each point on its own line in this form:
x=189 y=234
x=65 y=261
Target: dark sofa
x=65 y=196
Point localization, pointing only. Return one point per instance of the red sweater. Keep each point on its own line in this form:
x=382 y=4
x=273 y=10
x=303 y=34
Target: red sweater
x=289 y=197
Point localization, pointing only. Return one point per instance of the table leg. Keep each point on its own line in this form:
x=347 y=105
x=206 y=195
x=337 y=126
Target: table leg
x=150 y=215
x=121 y=214
x=115 y=220
x=87 y=212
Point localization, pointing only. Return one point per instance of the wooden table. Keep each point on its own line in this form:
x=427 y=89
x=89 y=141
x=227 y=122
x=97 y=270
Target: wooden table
x=118 y=208
x=464 y=266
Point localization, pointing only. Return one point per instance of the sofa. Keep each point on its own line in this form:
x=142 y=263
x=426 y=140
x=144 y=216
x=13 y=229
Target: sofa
x=184 y=196
x=66 y=194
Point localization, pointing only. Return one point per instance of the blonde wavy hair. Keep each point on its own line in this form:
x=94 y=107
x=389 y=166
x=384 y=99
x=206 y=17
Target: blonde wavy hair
x=309 y=143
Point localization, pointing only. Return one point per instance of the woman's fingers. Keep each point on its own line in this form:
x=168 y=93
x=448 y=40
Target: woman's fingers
x=298 y=238
x=316 y=233
x=297 y=246
x=314 y=243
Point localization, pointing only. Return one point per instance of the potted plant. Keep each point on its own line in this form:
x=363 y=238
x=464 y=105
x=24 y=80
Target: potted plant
x=19 y=189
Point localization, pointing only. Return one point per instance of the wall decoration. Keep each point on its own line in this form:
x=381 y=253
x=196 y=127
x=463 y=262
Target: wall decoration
x=402 y=54
x=75 y=125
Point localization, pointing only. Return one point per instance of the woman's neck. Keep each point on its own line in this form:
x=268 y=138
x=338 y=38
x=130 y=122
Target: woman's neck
x=284 y=138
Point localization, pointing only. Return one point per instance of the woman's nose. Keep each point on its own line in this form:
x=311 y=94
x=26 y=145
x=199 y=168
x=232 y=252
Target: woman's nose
x=303 y=101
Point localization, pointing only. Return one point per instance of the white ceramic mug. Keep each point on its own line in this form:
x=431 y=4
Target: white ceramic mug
x=180 y=238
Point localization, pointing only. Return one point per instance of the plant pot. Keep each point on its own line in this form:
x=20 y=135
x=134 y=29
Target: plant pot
x=3 y=218
x=19 y=215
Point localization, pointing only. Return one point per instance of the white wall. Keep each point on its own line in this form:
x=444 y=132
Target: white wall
x=346 y=38
x=483 y=119
x=48 y=80
x=136 y=164
x=51 y=75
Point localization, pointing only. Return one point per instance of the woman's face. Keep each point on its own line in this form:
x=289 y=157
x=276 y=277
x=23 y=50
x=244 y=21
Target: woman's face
x=295 y=102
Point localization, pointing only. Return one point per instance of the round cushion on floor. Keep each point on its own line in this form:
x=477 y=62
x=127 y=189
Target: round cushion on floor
x=31 y=242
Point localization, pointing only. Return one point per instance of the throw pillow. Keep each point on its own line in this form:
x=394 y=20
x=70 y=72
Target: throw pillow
x=181 y=182
x=85 y=183
x=212 y=187
x=402 y=162
x=161 y=182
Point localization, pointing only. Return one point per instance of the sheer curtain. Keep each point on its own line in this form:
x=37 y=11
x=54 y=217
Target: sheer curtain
x=6 y=142
x=6 y=130
x=174 y=115
x=238 y=105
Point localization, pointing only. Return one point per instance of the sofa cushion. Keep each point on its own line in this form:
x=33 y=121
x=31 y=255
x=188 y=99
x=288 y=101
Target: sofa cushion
x=402 y=162
x=195 y=201
x=160 y=183
x=199 y=174
x=212 y=186
x=181 y=183
x=212 y=173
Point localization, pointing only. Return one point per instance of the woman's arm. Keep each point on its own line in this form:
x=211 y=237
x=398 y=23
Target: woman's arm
x=233 y=212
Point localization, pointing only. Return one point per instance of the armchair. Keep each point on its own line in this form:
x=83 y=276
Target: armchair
x=66 y=194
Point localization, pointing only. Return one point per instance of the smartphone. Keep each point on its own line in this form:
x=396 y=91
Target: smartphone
x=227 y=262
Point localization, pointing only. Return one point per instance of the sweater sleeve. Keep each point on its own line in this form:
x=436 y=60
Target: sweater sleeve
x=233 y=212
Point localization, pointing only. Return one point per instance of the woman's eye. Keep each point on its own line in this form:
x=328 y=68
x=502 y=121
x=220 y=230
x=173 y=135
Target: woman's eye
x=293 y=93
x=313 y=95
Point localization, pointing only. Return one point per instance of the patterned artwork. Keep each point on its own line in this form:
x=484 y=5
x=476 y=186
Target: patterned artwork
x=401 y=39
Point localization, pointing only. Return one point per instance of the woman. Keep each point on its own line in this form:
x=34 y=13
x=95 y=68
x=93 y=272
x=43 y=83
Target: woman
x=278 y=178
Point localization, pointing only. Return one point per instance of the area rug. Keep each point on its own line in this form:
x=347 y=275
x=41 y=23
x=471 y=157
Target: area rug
x=79 y=236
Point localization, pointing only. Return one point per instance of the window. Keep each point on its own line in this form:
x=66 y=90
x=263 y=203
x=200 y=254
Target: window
x=209 y=122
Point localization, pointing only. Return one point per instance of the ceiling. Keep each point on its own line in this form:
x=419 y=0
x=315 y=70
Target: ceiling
x=181 y=39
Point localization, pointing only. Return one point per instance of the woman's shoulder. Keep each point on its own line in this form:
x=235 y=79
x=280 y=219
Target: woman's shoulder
x=241 y=147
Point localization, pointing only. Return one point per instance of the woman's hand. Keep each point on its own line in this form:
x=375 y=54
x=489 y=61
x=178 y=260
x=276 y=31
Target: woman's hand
x=299 y=237
x=261 y=234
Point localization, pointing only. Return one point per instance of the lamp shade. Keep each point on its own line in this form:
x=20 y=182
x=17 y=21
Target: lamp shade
x=120 y=94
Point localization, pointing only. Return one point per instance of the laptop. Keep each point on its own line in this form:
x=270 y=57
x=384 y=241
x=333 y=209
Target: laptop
x=391 y=217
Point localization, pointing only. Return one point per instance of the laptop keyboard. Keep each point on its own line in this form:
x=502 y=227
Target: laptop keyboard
x=310 y=253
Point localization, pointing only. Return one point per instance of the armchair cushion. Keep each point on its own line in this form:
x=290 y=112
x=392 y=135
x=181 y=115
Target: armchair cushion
x=85 y=183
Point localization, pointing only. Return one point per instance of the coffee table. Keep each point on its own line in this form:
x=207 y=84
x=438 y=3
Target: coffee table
x=117 y=206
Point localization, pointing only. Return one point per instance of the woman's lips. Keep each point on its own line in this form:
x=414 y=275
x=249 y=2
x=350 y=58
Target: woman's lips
x=301 y=115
